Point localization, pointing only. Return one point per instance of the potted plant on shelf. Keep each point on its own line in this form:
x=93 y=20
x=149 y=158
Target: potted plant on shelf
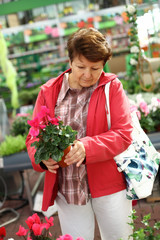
x=52 y=138
x=15 y=142
x=149 y=113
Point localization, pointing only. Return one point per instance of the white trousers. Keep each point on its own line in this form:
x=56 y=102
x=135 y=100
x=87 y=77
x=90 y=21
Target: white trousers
x=111 y=213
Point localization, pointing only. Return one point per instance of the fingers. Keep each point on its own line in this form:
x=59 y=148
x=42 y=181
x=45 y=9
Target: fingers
x=76 y=154
x=51 y=165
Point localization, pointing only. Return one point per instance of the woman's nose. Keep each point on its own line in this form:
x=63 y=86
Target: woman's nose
x=87 y=73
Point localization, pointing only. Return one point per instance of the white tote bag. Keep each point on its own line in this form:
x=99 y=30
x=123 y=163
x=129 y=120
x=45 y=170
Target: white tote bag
x=139 y=162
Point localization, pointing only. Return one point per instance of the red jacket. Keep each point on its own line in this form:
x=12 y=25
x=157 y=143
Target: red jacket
x=100 y=144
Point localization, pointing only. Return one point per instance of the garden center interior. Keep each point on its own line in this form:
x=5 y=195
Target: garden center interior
x=33 y=37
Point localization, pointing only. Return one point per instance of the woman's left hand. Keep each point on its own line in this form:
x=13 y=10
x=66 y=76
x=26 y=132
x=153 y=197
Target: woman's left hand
x=76 y=155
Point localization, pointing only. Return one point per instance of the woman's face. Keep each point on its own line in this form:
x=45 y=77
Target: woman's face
x=84 y=73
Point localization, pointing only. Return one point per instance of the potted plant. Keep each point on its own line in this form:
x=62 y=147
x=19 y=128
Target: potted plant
x=54 y=139
x=13 y=147
x=149 y=113
x=19 y=125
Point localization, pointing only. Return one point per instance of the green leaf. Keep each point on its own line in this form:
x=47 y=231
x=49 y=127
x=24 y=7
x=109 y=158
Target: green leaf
x=57 y=156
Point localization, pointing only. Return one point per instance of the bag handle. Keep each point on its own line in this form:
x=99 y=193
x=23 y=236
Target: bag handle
x=107 y=86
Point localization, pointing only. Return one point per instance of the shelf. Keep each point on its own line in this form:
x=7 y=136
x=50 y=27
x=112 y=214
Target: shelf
x=57 y=33
x=43 y=63
x=123 y=35
x=120 y=50
x=37 y=51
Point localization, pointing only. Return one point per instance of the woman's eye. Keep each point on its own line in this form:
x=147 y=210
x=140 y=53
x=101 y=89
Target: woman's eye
x=95 y=69
x=80 y=67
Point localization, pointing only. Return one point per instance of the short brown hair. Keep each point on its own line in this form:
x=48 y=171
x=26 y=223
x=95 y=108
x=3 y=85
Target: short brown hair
x=90 y=43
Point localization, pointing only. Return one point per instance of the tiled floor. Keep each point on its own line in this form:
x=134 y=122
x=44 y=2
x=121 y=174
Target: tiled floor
x=142 y=208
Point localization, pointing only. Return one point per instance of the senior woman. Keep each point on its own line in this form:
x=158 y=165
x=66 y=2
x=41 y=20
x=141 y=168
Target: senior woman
x=90 y=186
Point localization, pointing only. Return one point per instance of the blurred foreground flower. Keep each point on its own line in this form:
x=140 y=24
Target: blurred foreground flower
x=37 y=230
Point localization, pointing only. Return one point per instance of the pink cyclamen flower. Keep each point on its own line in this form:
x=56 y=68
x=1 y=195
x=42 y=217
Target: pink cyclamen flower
x=54 y=121
x=22 y=231
x=28 y=238
x=35 y=126
x=49 y=221
x=144 y=108
x=138 y=114
x=33 y=219
x=80 y=238
x=65 y=237
x=37 y=228
x=133 y=108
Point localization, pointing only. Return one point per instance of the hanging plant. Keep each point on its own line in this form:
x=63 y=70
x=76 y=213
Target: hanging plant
x=134 y=48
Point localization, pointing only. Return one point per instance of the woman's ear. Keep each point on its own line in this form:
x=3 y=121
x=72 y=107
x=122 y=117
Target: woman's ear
x=70 y=64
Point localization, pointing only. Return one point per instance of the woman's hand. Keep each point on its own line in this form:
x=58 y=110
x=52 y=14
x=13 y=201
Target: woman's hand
x=51 y=165
x=77 y=154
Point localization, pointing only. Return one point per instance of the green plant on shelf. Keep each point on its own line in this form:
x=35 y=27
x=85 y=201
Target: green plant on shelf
x=12 y=144
x=148 y=113
x=20 y=125
x=15 y=142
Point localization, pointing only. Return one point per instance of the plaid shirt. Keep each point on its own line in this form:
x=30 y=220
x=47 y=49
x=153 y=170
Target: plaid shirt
x=72 y=107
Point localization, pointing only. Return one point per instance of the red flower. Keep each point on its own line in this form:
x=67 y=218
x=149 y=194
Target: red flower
x=22 y=231
x=35 y=126
x=33 y=219
x=49 y=222
x=81 y=24
x=2 y=233
x=90 y=20
x=65 y=237
x=54 y=121
x=37 y=228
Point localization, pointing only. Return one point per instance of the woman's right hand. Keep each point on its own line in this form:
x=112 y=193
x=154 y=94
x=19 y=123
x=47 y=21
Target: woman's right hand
x=51 y=165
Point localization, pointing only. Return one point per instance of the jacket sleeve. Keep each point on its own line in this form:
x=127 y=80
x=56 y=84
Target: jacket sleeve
x=106 y=145
x=29 y=140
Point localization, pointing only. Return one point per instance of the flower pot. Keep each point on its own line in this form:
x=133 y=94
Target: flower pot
x=62 y=163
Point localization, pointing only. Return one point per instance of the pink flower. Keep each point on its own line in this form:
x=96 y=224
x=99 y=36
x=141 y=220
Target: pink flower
x=144 y=108
x=22 y=114
x=48 y=30
x=53 y=121
x=34 y=123
x=65 y=237
x=37 y=228
x=80 y=238
x=28 y=238
x=158 y=100
x=22 y=231
x=138 y=115
x=49 y=221
x=33 y=219
x=35 y=126
x=133 y=108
